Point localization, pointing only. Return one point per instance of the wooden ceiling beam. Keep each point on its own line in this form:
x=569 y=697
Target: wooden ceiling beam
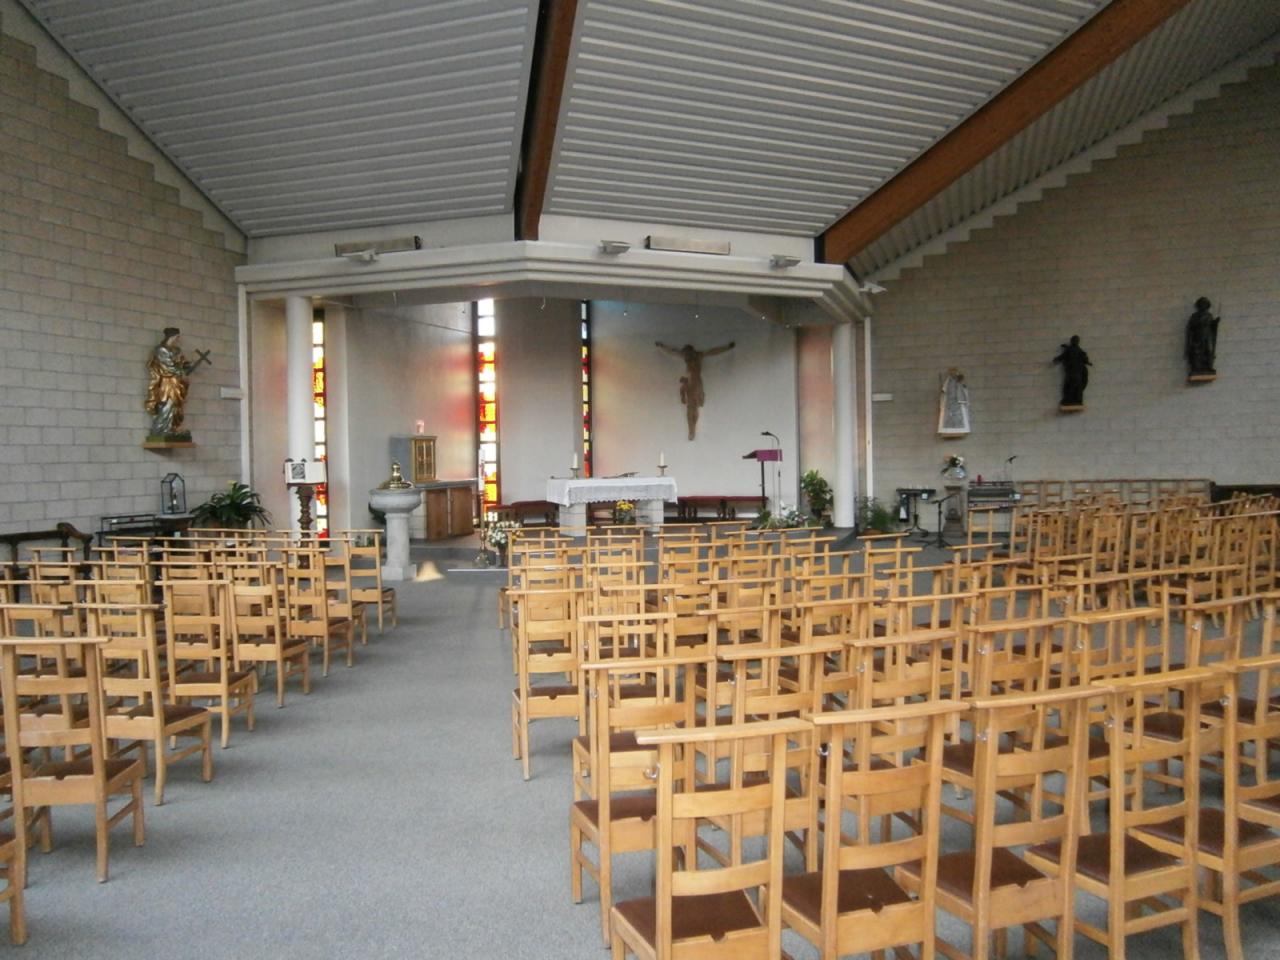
x=1102 y=39
x=546 y=87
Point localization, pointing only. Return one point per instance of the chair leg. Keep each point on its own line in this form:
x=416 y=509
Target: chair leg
x=280 y=676
x=306 y=673
x=224 y=711
x=324 y=659
x=575 y=862
x=17 y=915
x=618 y=950
x=162 y=771
x=1231 y=917
x=100 y=836
x=250 y=720
x=206 y=749
x=351 y=643
x=139 y=825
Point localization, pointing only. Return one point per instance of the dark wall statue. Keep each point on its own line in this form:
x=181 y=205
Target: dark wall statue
x=1075 y=375
x=1201 y=343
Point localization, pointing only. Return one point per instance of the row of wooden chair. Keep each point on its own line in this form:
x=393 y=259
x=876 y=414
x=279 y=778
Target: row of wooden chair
x=880 y=600
x=87 y=674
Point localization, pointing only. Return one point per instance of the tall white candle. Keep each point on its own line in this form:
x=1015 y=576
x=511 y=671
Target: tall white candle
x=575 y=461
x=662 y=458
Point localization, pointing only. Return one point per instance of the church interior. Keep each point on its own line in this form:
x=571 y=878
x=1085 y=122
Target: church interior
x=820 y=459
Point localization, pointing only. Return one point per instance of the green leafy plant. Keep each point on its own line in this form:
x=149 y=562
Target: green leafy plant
x=239 y=506
x=817 y=492
x=873 y=516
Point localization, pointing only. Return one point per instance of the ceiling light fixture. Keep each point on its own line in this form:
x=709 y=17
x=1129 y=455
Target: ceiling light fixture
x=870 y=286
x=614 y=246
x=783 y=261
x=361 y=256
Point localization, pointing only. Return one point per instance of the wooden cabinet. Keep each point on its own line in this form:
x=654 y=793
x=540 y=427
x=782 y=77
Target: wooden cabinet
x=449 y=510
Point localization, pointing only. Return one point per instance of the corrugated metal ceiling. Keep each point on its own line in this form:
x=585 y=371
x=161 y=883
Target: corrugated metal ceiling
x=778 y=118
x=297 y=115
x=1193 y=44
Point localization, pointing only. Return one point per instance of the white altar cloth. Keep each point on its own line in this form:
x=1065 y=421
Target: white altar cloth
x=602 y=489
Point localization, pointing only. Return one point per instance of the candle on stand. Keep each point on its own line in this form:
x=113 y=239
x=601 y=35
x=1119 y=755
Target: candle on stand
x=662 y=458
x=575 y=461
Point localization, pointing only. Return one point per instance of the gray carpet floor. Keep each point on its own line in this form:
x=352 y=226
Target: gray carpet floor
x=381 y=816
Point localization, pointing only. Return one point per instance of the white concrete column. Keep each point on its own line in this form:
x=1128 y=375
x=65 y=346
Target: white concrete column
x=298 y=398
x=844 y=375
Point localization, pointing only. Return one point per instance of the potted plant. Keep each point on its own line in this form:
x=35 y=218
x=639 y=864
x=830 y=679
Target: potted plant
x=239 y=506
x=624 y=511
x=873 y=516
x=817 y=492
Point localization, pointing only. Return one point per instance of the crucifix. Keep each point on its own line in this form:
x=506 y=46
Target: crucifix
x=692 y=393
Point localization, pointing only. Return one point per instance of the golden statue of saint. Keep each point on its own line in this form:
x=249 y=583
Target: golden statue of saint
x=167 y=387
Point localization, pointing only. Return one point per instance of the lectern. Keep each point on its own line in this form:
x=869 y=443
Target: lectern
x=766 y=455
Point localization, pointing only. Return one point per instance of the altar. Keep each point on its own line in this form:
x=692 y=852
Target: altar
x=647 y=493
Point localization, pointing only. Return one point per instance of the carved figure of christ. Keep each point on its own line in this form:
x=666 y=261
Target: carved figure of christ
x=692 y=393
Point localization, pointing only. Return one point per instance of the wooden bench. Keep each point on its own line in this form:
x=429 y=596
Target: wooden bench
x=726 y=507
x=520 y=511
x=63 y=534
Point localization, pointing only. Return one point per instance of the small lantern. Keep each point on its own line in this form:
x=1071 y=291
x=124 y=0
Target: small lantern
x=173 y=495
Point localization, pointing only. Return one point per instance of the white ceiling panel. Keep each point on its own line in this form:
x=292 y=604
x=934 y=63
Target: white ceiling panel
x=778 y=118
x=296 y=115
x=1195 y=43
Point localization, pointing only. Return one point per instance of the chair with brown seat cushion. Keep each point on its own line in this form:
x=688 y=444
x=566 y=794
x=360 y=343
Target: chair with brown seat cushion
x=619 y=815
x=732 y=910
x=200 y=649
x=258 y=628
x=993 y=886
x=308 y=613
x=92 y=778
x=1142 y=887
x=855 y=904
x=1238 y=844
x=136 y=713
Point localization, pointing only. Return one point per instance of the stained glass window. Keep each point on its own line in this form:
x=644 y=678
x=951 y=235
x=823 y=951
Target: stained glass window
x=487 y=440
x=319 y=505
x=586 y=387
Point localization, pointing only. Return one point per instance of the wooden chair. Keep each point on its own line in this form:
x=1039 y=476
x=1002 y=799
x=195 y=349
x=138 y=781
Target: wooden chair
x=1238 y=846
x=343 y=602
x=309 y=615
x=260 y=633
x=91 y=778
x=365 y=548
x=136 y=713
x=10 y=844
x=995 y=885
x=855 y=904
x=548 y=662
x=705 y=911
x=1143 y=888
x=619 y=818
x=199 y=645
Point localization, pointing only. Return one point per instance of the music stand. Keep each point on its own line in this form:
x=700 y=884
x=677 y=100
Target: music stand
x=764 y=455
x=939 y=541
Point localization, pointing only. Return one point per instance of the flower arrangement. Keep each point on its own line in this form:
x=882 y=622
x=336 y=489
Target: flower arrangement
x=499 y=534
x=953 y=466
x=786 y=518
x=624 y=511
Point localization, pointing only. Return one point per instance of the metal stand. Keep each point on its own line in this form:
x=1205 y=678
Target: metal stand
x=939 y=541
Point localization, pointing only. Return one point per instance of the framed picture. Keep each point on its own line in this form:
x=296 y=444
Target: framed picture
x=424 y=459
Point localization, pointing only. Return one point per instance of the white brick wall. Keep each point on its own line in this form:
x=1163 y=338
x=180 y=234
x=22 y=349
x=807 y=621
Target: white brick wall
x=96 y=258
x=1118 y=256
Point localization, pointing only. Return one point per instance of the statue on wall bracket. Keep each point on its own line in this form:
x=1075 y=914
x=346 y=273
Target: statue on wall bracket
x=692 y=394
x=1075 y=375
x=1202 y=343
x=953 y=406
x=168 y=381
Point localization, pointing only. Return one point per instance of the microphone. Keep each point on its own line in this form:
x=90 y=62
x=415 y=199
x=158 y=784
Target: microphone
x=1011 y=459
x=766 y=433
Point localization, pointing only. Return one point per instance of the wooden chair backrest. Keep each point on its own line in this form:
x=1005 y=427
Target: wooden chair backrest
x=682 y=807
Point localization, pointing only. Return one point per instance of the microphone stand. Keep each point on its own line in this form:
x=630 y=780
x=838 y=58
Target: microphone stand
x=940 y=542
